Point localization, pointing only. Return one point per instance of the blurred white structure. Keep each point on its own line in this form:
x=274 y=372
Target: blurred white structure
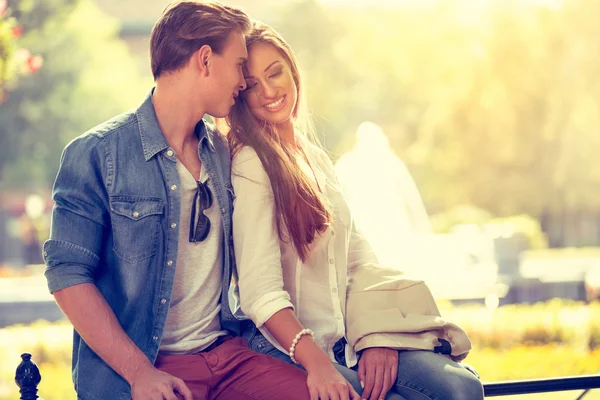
x=383 y=197
x=389 y=211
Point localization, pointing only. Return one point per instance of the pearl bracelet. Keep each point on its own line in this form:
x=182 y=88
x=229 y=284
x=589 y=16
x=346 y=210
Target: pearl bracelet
x=296 y=340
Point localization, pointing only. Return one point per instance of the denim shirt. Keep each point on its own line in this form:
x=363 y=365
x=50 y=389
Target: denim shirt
x=115 y=224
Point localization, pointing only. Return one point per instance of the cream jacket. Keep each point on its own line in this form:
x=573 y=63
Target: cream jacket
x=385 y=309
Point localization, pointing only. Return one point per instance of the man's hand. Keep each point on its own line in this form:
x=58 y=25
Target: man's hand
x=377 y=370
x=153 y=384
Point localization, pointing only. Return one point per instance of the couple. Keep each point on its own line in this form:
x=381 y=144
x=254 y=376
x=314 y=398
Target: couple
x=145 y=238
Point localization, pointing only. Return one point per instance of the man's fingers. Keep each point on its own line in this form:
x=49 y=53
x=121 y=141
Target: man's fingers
x=378 y=385
x=392 y=376
x=361 y=370
x=181 y=388
x=385 y=385
x=369 y=381
x=394 y=372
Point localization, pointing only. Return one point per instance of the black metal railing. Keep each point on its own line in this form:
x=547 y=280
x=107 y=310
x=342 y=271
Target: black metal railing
x=28 y=377
x=583 y=382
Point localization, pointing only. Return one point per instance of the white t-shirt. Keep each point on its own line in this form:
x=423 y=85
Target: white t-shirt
x=193 y=321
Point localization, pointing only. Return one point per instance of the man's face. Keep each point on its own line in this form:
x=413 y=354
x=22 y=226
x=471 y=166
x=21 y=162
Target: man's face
x=227 y=77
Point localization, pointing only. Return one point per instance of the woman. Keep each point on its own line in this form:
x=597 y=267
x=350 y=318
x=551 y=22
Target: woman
x=296 y=246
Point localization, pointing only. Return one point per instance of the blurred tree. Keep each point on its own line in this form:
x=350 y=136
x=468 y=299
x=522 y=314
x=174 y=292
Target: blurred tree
x=88 y=76
x=494 y=104
x=13 y=60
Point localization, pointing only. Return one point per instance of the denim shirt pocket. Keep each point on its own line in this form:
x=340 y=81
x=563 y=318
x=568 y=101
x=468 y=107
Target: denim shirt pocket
x=135 y=226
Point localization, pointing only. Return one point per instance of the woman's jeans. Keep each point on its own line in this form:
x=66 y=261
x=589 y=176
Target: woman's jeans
x=422 y=375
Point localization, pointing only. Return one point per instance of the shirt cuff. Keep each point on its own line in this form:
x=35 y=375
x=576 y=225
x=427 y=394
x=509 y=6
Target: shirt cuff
x=267 y=305
x=68 y=264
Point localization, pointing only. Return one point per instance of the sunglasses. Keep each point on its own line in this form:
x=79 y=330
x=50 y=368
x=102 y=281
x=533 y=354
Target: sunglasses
x=200 y=224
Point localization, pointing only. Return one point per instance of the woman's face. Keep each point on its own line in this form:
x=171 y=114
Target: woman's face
x=271 y=93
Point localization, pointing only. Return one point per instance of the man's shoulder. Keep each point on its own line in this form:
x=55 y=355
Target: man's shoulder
x=119 y=123
x=125 y=123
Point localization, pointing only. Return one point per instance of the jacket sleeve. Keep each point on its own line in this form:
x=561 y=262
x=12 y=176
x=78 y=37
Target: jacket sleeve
x=80 y=215
x=256 y=240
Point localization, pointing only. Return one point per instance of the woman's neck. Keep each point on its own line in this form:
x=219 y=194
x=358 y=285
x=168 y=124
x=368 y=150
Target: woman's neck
x=285 y=130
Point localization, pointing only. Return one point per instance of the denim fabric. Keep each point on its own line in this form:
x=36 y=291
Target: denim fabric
x=422 y=375
x=116 y=197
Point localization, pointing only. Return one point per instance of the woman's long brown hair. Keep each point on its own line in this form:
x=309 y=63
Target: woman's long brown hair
x=299 y=206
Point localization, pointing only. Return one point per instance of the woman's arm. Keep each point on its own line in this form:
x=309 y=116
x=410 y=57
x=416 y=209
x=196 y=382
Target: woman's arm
x=284 y=326
x=262 y=294
x=256 y=240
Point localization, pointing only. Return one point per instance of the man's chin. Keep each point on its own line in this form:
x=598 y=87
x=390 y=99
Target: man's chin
x=219 y=114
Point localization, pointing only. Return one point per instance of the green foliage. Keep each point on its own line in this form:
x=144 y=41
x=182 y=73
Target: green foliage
x=523 y=225
x=10 y=31
x=556 y=322
x=533 y=362
x=491 y=103
x=7 y=49
x=462 y=214
x=88 y=76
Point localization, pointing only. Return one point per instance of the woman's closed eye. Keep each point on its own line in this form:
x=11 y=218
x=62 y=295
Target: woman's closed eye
x=275 y=74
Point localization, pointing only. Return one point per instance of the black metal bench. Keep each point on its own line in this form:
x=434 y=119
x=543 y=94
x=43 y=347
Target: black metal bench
x=28 y=377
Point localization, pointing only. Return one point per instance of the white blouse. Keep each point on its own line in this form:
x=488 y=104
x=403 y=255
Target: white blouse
x=271 y=275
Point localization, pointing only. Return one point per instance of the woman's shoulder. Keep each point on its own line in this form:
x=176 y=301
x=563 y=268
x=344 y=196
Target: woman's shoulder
x=246 y=163
x=244 y=154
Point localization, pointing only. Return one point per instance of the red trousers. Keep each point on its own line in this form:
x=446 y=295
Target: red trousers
x=232 y=371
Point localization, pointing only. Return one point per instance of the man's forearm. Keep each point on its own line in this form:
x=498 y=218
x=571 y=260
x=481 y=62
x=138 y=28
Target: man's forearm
x=97 y=324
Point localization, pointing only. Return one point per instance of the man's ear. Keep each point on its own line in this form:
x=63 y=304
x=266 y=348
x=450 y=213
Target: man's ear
x=202 y=59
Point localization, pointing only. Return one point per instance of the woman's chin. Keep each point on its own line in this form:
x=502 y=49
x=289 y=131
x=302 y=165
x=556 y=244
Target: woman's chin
x=276 y=118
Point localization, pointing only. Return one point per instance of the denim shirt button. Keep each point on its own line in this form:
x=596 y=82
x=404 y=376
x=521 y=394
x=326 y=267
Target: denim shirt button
x=173 y=225
x=136 y=214
x=170 y=262
x=163 y=301
x=155 y=338
x=170 y=153
x=174 y=187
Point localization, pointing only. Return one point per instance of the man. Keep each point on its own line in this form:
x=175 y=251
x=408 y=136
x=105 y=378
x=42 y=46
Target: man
x=139 y=257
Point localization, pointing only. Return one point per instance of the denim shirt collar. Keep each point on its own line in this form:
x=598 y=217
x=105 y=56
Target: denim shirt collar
x=153 y=140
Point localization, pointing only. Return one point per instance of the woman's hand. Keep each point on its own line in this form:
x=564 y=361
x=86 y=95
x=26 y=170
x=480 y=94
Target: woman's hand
x=326 y=383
